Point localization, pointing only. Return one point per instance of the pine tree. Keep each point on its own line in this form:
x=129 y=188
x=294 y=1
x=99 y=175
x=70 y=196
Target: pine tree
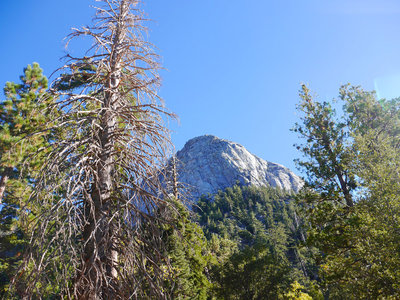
x=21 y=115
x=252 y=234
x=102 y=181
x=186 y=247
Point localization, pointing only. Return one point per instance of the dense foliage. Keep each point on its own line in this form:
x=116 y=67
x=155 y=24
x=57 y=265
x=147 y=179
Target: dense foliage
x=341 y=235
x=263 y=224
x=352 y=201
x=186 y=250
x=21 y=120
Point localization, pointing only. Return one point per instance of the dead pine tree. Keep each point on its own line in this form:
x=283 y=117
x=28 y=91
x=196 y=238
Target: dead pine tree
x=101 y=181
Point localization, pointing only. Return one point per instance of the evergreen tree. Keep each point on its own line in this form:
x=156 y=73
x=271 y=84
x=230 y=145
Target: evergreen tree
x=187 y=252
x=21 y=117
x=358 y=240
x=262 y=224
x=252 y=273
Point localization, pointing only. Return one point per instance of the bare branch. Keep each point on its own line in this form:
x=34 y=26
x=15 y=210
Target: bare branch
x=95 y=233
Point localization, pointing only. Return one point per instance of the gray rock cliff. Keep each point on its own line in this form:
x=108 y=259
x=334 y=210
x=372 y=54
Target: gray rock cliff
x=207 y=164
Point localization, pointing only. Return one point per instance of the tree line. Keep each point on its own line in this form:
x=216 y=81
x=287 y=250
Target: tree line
x=85 y=213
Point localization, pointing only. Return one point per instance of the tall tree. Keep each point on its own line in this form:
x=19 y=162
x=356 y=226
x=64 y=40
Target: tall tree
x=358 y=240
x=19 y=119
x=186 y=248
x=102 y=180
x=21 y=115
x=326 y=149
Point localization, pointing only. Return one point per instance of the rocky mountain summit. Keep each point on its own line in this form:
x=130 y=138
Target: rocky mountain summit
x=207 y=164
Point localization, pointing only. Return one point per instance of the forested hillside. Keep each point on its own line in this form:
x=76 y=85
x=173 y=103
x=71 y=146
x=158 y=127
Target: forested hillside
x=263 y=225
x=338 y=237
x=242 y=243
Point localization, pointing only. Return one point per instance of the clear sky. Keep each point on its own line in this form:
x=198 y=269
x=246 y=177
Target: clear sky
x=232 y=68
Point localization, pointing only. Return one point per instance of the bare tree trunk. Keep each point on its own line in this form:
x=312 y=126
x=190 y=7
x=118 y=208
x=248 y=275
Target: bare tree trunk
x=175 y=179
x=99 y=230
x=106 y=169
x=3 y=182
x=339 y=173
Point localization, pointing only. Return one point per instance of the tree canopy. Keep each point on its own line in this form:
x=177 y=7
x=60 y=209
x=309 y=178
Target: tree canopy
x=351 y=200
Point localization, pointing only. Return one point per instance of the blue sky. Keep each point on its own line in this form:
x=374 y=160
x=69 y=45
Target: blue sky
x=232 y=68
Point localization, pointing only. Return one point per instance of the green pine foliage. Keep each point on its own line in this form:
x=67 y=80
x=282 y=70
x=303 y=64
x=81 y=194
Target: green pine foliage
x=263 y=225
x=186 y=258
x=187 y=253
x=21 y=115
x=252 y=273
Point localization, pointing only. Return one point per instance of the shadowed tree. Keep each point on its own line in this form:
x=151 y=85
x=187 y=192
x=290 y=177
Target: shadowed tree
x=102 y=181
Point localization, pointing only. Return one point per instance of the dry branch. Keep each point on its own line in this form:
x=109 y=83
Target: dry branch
x=95 y=235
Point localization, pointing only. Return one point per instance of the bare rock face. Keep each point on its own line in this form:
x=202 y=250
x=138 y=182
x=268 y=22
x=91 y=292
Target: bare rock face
x=208 y=164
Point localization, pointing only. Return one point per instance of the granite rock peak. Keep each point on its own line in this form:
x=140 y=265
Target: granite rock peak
x=207 y=164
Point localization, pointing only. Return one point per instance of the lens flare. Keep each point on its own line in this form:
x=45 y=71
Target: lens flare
x=387 y=87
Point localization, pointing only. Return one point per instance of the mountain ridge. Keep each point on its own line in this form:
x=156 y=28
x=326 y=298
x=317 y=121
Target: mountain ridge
x=207 y=164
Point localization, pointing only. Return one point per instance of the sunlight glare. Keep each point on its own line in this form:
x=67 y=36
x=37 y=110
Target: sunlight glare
x=387 y=87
